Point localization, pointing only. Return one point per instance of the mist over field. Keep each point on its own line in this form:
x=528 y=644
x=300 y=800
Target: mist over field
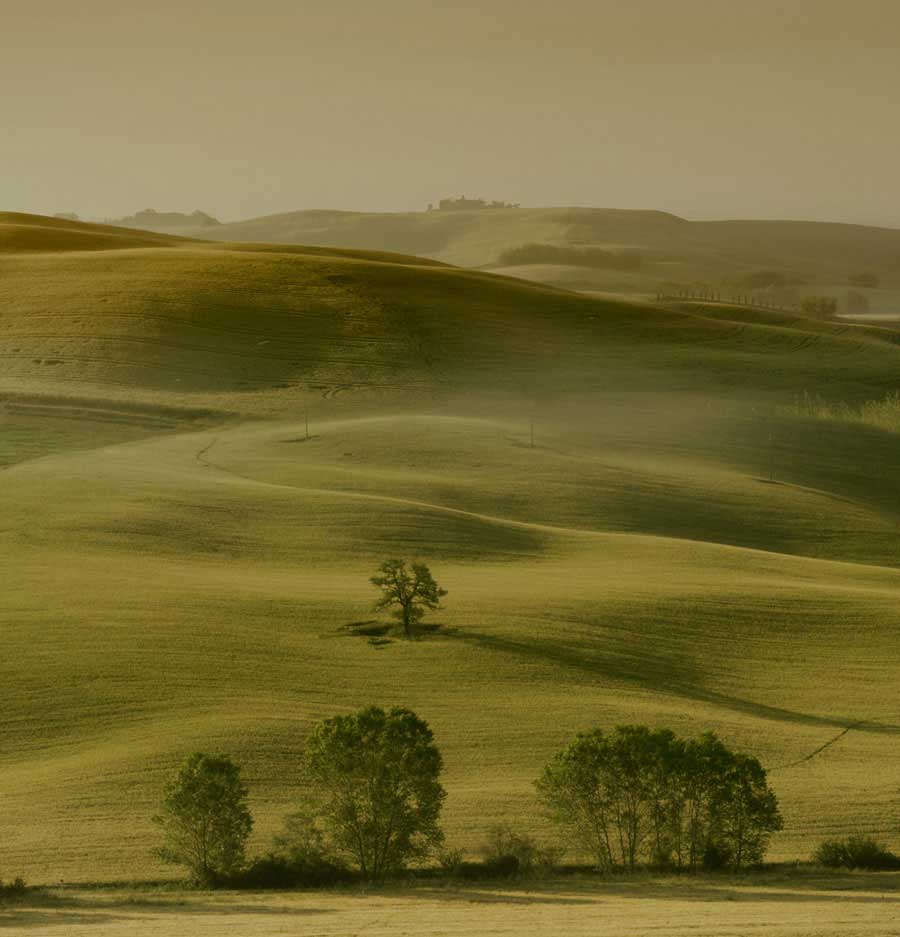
x=449 y=469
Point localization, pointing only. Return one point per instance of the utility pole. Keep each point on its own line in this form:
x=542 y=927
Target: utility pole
x=306 y=420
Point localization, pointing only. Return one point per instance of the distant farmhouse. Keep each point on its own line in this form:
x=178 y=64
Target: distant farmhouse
x=469 y=204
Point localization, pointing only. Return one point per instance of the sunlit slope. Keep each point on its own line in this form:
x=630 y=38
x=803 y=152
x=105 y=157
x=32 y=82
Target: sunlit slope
x=22 y=233
x=196 y=591
x=249 y=330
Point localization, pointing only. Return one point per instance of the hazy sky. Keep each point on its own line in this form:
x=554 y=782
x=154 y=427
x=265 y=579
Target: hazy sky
x=719 y=108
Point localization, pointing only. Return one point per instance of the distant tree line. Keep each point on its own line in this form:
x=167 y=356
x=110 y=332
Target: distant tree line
x=470 y=204
x=596 y=257
x=372 y=799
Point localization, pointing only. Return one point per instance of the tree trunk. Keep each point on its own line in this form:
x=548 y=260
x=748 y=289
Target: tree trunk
x=407 y=616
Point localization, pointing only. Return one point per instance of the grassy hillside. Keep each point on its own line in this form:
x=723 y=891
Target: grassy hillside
x=21 y=233
x=258 y=330
x=677 y=252
x=185 y=569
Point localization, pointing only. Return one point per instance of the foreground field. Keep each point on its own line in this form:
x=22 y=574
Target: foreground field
x=777 y=906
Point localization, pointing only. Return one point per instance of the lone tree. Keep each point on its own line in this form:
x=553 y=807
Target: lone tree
x=205 y=818
x=373 y=782
x=412 y=590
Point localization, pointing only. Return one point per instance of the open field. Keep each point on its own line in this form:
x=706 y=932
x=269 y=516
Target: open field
x=777 y=905
x=185 y=569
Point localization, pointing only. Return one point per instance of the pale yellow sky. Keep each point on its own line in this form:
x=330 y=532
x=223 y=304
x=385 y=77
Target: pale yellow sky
x=708 y=109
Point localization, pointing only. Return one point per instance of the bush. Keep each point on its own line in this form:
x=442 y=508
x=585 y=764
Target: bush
x=496 y=867
x=856 y=852
x=716 y=857
x=13 y=891
x=506 y=848
x=279 y=872
x=451 y=861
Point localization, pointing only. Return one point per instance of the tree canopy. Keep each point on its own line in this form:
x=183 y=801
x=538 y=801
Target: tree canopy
x=637 y=794
x=409 y=590
x=205 y=818
x=373 y=781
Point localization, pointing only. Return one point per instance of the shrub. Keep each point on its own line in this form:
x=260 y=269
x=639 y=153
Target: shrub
x=278 y=872
x=451 y=861
x=13 y=891
x=497 y=867
x=506 y=848
x=856 y=852
x=508 y=853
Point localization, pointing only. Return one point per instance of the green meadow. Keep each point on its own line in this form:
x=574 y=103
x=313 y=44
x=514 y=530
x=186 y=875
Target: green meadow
x=206 y=449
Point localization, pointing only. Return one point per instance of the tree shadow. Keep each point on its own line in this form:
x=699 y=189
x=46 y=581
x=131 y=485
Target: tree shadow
x=380 y=635
x=593 y=892
x=656 y=672
x=46 y=913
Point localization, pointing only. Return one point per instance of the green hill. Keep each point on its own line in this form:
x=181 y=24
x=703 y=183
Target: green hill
x=21 y=233
x=811 y=256
x=185 y=568
x=253 y=329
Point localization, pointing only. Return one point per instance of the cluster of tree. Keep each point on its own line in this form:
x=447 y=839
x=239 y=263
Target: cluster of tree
x=819 y=307
x=470 y=204
x=151 y=218
x=372 y=802
x=641 y=796
x=595 y=257
x=372 y=798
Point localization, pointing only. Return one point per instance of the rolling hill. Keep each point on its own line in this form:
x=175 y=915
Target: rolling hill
x=186 y=567
x=811 y=256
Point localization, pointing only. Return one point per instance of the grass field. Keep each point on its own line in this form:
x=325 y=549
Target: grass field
x=183 y=568
x=777 y=905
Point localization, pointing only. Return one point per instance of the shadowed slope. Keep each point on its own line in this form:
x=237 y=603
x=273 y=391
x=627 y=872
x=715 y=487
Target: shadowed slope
x=256 y=330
